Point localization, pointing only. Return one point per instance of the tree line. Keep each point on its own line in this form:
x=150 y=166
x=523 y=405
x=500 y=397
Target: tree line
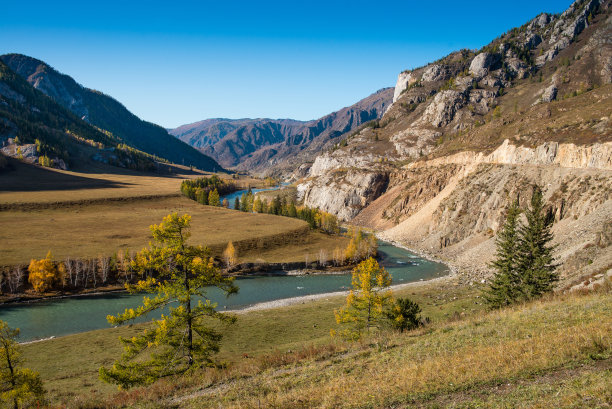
x=207 y=190
x=70 y=274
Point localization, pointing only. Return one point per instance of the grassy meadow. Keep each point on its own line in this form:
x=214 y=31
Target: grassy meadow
x=82 y=215
x=555 y=352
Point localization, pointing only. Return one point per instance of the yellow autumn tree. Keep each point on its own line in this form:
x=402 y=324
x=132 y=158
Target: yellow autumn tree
x=43 y=273
x=368 y=301
x=230 y=255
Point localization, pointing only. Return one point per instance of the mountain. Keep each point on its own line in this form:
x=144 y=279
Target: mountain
x=104 y=112
x=36 y=129
x=476 y=129
x=265 y=145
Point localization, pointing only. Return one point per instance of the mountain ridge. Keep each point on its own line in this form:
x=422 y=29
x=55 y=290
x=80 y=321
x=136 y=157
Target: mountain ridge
x=261 y=144
x=105 y=112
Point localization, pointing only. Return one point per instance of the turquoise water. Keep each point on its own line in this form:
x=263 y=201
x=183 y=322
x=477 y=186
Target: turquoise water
x=78 y=314
x=231 y=198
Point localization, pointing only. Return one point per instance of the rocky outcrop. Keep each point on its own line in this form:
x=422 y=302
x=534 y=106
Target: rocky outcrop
x=481 y=64
x=568 y=155
x=435 y=72
x=441 y=110
x=404 y=80
x=343 y=192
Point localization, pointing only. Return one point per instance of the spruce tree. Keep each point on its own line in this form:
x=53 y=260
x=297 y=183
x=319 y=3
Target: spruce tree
x=237 y=203
x=534 y=258
x=505 y=286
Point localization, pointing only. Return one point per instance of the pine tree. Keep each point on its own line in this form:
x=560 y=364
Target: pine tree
x=237 y=203
x=179 y=341
x=367 y=302
x=535 y=260
x=404 y=315
x=505 y=287
x=19 y=387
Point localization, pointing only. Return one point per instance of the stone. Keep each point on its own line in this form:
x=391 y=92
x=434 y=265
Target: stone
x=550 y=93
x=481 y=64
x=442 y=109
x=435 y=73
x=404 y=80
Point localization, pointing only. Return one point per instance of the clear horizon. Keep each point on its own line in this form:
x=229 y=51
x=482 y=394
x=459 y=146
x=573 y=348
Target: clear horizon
x=194 y=61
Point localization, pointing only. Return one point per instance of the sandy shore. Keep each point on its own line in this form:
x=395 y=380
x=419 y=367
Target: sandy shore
x=286 y=302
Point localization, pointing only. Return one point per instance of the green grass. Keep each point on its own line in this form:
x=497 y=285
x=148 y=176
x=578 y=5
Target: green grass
x=69 y=364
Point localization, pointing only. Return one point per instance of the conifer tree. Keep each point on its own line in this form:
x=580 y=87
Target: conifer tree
x=237 y=203
x=535 y=260
x=368 y=301
x=179 y=341
x=19 y=387
x=213 y=198
x=505 y=287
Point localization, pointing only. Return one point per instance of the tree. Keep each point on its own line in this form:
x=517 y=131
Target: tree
x=19 y=387
x=535 y=260
x=404 y=315
x=237 y=203
x=524 y=262
x=213 y=198
x=179 y=341
x=43 y=273
x=229 y=254
x=505 y=287
x=367 y=302
x=226 y=203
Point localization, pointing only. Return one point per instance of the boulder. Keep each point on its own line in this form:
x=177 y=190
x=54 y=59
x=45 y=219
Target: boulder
x=442 y=109
x=481 y=64
x=435 y=73
x=550 y=93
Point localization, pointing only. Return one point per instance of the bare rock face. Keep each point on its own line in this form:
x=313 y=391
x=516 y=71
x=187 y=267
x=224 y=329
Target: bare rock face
x=435 y=73
x=414 y=142
x=404 y=80
x=442 y=109
x=550 y=93
x=481 y=64
x=343 y=192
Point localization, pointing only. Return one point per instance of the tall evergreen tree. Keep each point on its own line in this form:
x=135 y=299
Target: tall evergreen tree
x=535 y=259
x=180 y=340
x=505 y=286
x=237 y=203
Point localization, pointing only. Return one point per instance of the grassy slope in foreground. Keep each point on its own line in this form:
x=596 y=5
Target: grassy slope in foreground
x=551 y=353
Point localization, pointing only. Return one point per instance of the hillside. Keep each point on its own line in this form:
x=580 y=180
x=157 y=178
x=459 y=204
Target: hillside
x=274 y=145
x=35 y=129
x=104 y=112
x=475 y=129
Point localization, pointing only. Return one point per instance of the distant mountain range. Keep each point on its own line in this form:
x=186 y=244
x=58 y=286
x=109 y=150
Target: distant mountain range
x=263 y=145
x=103 y=112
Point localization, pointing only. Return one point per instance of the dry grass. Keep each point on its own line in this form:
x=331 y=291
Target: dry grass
x=418 y=366
x=91 y=229
x=270 y=338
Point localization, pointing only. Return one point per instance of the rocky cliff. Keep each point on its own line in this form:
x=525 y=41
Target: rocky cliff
x=475 y=129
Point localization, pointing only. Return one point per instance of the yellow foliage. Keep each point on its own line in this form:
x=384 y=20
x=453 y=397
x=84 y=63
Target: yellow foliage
x=43 y=274
x=230 y=255
x=367 y=301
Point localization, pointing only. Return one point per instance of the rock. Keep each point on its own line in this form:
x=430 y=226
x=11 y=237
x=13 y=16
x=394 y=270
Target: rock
x=517 y=68
x=414 y=142
x=442 y=109
x=481 y=64
x=532 y=41
x=343 y=193
x=540 y=21
x=549 y=94
x=404 y=80
x=435 y=73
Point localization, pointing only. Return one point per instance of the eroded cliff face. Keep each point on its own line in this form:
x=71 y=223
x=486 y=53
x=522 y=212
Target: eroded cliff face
x=474 y=130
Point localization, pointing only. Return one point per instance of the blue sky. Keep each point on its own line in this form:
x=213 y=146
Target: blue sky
x=178 y=62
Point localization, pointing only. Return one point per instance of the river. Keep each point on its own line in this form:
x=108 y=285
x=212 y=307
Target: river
x=71 y=315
